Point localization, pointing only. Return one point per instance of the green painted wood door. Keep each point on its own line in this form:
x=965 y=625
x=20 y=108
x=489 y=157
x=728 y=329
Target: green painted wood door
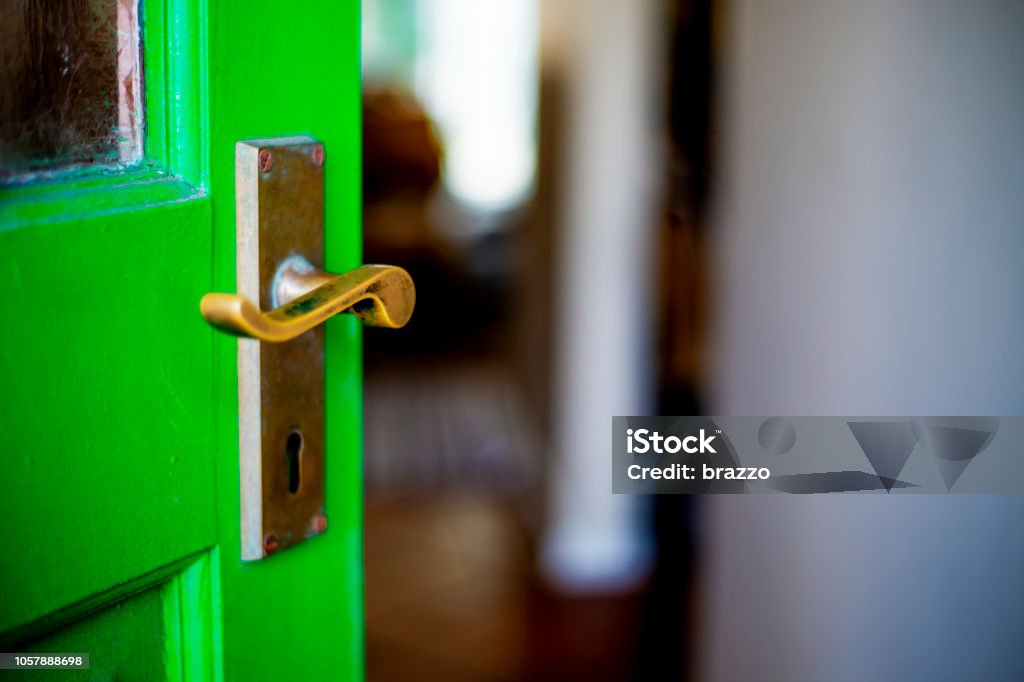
x=119 y=488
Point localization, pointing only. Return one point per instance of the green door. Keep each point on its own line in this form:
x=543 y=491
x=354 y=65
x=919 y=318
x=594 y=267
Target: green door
x=119 y=473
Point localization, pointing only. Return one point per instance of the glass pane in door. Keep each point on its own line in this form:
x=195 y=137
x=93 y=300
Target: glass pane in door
x=70 y=86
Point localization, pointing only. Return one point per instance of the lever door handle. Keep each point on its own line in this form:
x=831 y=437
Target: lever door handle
x=379 y=295
x=281 y=296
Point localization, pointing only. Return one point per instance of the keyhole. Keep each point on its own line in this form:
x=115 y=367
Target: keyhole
x=292 y=451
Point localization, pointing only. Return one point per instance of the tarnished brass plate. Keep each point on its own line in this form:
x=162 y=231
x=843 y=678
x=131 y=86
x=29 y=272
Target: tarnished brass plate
x=280 y=213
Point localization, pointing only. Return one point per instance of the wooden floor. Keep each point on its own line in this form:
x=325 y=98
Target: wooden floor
x=444 y=592
x=453 y=501
x=451 y=595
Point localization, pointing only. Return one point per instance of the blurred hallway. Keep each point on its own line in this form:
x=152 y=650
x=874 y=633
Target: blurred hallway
x=740 y=207
x=493 y=549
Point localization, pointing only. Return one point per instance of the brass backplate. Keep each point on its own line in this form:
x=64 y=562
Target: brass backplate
x=279 y=189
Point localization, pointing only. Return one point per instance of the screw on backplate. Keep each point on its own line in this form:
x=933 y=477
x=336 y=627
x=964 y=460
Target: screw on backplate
x=318 y=155
x=319 y=524
x=266 y=160
x=270 y=544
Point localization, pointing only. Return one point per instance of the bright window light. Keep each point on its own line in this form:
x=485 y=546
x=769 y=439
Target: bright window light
x=476 y=73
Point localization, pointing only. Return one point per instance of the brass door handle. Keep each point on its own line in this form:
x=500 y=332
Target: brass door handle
x=379 y=295
x=282 y=387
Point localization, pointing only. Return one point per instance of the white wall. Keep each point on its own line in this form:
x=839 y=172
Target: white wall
x=869 y=261
x=608 y=58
